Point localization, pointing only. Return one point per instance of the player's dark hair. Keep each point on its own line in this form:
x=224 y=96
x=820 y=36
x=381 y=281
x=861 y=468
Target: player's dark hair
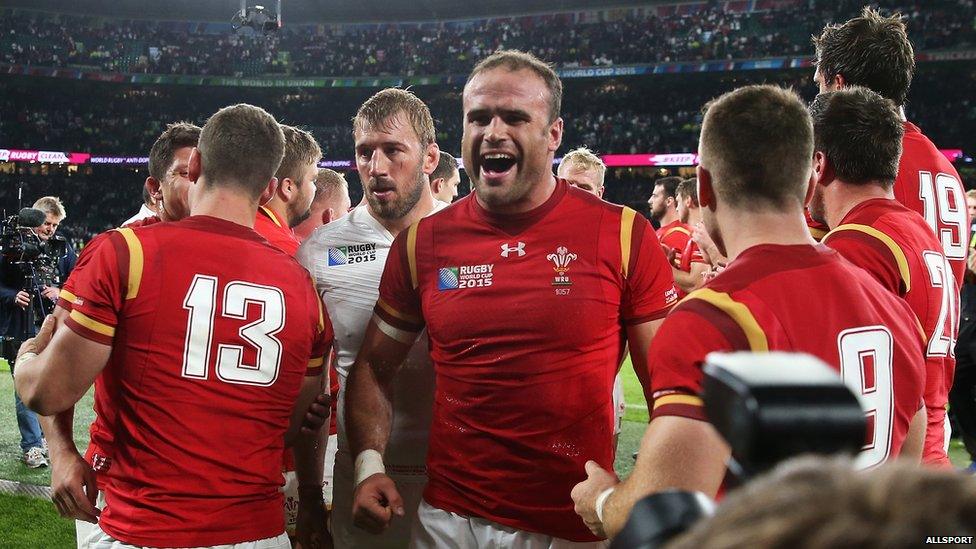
x=515 y=60
x=670 y=185
x=241 y=145
x=688 y=188
x=860 y=132
x=871 y=51
x=757 y=144
x=176 y=136
x=447 y=166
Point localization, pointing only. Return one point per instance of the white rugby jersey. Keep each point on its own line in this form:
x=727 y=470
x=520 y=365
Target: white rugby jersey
x=346 y=259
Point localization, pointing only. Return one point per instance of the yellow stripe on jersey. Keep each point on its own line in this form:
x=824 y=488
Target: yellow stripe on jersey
x=321 y=315
x=920 y=329
x=397 y=314
x=817 y=234
x=271 y=214
x=135 y=262
x=739 y=313
x=626 y=237
x=92 y=324
x=677 y=229
x=67 y=296
x=316 y=363
x=900 y=259
x=678 y=399
x=412 y=253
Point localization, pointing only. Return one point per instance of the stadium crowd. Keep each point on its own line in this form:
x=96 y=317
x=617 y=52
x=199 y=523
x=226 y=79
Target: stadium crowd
x=618 y=116
x=515 y=447
x=618 y=37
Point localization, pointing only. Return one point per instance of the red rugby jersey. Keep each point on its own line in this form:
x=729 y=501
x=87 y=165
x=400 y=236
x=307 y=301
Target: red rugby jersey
x=928 y=184
x=99 y=452
x=212 y=331
x=899 y=249
x=276 y=231
x=691 y=254
x=674 y=235
x=526 y=317
x=766 y=300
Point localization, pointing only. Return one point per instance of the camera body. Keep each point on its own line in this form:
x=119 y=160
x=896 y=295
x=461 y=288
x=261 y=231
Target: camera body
x=257 y=18
x=28 y=261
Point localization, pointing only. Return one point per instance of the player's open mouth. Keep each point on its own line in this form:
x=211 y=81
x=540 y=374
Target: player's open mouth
x=496 y=164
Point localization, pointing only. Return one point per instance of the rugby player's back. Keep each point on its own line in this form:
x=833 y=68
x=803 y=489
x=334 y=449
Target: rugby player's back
x=212 y=331
x=807 y=299
x=928 y=184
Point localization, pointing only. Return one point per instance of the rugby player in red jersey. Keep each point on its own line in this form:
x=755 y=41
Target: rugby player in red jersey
x=214 y=340
x=663 y=203
x=74 y=479
x=529 y=289
x=292 y=201
x=874 y=51
x=858 y=136
x=689 y=265
x=754 y=180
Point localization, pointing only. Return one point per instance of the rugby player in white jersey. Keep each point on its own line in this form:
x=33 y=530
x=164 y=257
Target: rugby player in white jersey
x=395 y=154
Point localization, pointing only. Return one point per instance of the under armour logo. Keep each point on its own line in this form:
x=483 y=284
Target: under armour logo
x=519 y=250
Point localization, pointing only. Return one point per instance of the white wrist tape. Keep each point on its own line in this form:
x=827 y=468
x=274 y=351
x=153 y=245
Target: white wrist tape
x=601 y=500
x=368 y=463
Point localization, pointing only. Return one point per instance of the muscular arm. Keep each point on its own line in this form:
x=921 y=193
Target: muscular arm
x=690 y=281
x=914 y=443
x=60 y=375
x=676 y=452
x=369 y=394
x=639 y=337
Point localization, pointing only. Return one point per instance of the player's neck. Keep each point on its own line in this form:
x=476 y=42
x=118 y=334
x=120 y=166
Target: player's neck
x=279 y=208
x=227 y=204
x=536 y=197
x=845 y=197
x=421 y=209
x=743 y=230
x=669 y=217
x=694 y=217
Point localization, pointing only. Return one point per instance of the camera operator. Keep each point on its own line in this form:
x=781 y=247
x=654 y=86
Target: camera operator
x=29 y=284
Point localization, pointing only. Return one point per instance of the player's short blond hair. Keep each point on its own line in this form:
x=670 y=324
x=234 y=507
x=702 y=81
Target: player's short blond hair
x=51 y=205
x=301 y=149
x=328 y=183
x=583 y=159
x=971 y=194
x=380 y=109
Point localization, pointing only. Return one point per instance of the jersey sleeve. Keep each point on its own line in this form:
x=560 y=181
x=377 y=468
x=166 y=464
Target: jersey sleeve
x=398 y=312
x=649 y=290
x=694 y=329
x=66 y=296
x=100 y=288
x=881 y=260
x=324 y=334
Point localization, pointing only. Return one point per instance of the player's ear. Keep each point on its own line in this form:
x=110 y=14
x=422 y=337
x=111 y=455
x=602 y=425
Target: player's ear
x=286 y=188
x=328 y=215
x=431 y=157
x=194 y=165
x=556 y=134
x=823 y=169
x=268 y=193
x=839 y=82
x=599 y=192
x=435 y=184
x=152 y=186
x=706 y=193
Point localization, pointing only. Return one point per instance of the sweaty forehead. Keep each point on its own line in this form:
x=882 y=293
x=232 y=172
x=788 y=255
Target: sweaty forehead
x=393 y=130
x=503 y=89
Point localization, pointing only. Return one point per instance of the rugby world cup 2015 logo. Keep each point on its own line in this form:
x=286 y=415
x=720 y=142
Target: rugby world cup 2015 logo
x=337 y=256
x=561 y=259
x=447 y=278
